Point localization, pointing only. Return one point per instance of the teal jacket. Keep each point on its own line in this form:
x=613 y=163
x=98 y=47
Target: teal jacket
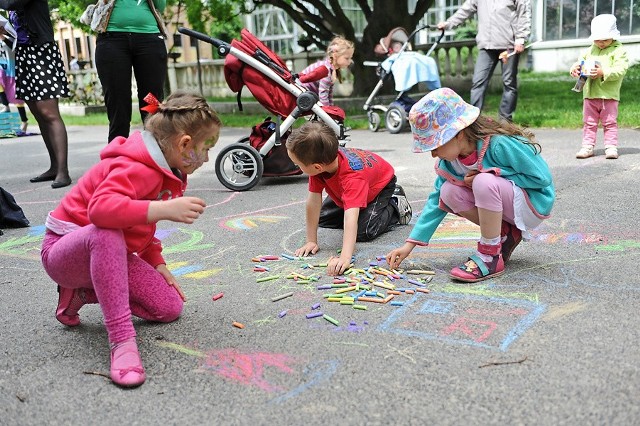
x=614 y=63
x=504 y=156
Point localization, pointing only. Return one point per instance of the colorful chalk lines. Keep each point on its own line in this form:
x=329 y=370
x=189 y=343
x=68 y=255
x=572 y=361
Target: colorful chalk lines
x=491 y=315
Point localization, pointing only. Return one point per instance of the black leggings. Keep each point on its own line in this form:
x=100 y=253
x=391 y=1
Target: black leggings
x=375 y=219
x=117 y=54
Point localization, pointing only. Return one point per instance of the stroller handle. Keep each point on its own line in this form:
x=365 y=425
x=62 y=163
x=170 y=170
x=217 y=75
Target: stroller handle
x=222 y=46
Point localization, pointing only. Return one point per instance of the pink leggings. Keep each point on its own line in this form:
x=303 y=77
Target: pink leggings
x=96 y=258
x=489 y=192
x=603 y=111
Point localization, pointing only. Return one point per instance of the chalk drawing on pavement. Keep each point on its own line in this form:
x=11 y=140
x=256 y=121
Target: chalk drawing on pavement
x=246 y=223
x=486 y=322
x=254 y=369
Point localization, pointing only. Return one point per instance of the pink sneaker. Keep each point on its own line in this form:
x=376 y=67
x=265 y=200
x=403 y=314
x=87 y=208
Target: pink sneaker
x=475 y=269
x=67 y=311
x=126 y=365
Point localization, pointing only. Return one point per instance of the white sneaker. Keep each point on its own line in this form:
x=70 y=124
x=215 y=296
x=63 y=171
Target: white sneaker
x=611 y=152
x=585 y=152
x=4 y=108
x=404 y=208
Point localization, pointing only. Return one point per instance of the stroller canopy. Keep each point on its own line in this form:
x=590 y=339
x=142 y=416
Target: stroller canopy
x=393 y=42
x=270 y=94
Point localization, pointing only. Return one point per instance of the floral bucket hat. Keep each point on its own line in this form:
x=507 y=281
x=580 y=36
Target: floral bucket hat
x=438 y=117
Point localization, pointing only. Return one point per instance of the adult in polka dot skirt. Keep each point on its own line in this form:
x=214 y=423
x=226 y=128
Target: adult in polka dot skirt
x=41 y=81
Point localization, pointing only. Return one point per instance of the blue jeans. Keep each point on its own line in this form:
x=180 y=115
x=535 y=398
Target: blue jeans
x=117 y=53
x=485 y=65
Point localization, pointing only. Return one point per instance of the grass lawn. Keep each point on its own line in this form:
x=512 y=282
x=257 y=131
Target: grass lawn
x=545 y=100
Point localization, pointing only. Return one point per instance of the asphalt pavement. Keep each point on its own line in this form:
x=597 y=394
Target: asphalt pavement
x=553 y=341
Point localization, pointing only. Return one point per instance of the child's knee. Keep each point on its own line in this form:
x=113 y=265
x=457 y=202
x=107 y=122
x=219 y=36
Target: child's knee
x=170 y=312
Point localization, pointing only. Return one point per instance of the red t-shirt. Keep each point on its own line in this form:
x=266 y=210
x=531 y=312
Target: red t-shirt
x=360 y=177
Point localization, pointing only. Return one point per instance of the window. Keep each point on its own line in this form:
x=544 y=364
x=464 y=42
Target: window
x=571 y=19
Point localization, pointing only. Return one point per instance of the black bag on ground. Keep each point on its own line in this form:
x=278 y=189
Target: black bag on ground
x=11 y=215
x=276 y=162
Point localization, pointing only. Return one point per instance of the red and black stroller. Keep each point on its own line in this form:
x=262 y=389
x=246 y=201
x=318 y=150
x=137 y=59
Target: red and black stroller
x=248 y=62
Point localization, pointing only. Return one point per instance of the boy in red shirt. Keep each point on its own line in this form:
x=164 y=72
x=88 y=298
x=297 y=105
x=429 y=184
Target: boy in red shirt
x=363 y=197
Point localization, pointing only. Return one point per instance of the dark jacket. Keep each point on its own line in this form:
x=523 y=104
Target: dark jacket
x=34 y=14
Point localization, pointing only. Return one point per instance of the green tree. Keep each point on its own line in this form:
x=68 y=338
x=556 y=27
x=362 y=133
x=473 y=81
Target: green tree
x=320 y=19
x=212 y=17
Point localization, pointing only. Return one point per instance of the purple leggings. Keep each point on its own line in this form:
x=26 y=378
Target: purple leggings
x=96 y=258
x=489 y=192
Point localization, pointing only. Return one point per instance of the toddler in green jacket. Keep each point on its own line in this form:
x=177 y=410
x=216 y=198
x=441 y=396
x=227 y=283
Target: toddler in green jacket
x=604 y=65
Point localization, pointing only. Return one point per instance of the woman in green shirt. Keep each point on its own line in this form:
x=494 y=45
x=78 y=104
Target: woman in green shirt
x=134 y=40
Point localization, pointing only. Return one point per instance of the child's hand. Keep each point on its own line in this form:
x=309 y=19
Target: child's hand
x=396 y=256
x=307 y=249
x=468 y=178
x=182 y=209
x=337 y=265
x=575 y=70
x=596 y=71
x=171 y=280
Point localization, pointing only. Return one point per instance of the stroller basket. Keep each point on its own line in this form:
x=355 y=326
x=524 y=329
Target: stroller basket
x=250 y=63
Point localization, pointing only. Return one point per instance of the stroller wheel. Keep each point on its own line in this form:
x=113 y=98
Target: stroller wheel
x=396 y=119
x=374 y=121
x=239 y=167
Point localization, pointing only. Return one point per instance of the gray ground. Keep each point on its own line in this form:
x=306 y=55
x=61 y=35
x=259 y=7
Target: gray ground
x=553 y=341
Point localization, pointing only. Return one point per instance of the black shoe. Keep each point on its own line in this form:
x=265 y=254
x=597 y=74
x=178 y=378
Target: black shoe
x=404 y=208
x=42 y=178
x=60 y=183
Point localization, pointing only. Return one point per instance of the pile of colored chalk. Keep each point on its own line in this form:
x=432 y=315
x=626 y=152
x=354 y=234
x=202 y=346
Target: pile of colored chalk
x=356 y=287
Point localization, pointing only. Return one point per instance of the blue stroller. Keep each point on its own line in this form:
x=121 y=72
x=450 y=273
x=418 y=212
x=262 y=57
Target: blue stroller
x=408 y=69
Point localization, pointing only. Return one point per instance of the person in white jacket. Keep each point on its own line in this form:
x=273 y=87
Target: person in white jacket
x=503 y=25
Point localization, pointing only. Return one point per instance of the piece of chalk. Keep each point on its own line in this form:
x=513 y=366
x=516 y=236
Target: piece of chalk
x=270 y=257
x=286 y=256
x=238 y=325
x=315 y=306
x=331 y=320
x=346 y=302
x=218 y=296
x=423 y=290
x=360 y=307
x=269 y=278
x=281 y=314
x=324 y=287
x=282 y=296
x=314 y=315
x=416 y=282
x=420 y=272
x=396 y=303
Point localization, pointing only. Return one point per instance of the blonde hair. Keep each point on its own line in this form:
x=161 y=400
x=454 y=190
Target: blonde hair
x=485 y=126
x=182 y=113
x=313 y=142
x=338 y=46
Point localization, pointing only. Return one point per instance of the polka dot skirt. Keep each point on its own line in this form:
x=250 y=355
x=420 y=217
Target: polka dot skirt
x=40 y=73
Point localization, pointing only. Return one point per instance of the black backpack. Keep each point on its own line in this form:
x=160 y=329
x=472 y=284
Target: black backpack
x=11 y=215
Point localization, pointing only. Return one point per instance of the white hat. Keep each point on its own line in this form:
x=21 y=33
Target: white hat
x=603 y=27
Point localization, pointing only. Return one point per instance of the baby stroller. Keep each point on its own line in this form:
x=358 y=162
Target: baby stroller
x=248 y=62
x=408 y=69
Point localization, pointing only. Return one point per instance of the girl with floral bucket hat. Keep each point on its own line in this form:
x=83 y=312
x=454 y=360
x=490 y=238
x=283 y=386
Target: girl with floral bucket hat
x=490 y=172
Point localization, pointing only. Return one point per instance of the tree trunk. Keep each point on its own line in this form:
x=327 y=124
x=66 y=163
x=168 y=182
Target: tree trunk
x=385 y=16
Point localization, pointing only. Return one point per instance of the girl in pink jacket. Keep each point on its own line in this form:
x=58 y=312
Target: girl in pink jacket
x=100 y=247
